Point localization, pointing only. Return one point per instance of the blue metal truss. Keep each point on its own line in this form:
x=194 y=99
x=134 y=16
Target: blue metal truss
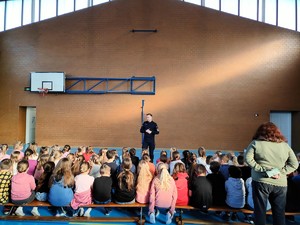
x=133 y=85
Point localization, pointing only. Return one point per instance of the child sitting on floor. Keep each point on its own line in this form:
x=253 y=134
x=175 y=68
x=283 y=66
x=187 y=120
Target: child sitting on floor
x=22 y=187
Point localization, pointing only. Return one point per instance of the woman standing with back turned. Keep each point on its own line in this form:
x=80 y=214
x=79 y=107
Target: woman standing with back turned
x=271 y=159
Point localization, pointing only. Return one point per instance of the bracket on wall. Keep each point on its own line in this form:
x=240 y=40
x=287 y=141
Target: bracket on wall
x=133 y=85
x=144 y=31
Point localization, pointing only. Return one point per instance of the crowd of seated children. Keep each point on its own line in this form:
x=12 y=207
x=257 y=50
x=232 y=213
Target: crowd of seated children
x=70 y=182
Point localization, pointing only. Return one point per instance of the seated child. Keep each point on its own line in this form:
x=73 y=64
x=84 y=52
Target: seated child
x=200 y=190
x=31 y=161
x=217 y=181
x=61 y=186
x=22 y=187
x=235 y=190
x=42 y=188
x=83 y=191
x=163 y=194
x=125 y=187
x=3 y=152
x=144 y=179
x=95 y=166
x=181 y=180
x=5 y=182
x=176 y=159
x=102 y=188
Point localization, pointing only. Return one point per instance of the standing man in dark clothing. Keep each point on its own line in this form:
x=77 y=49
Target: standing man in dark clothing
x=149 y=129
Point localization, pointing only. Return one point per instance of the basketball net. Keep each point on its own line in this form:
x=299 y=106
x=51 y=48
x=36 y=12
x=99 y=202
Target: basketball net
x=43 y=91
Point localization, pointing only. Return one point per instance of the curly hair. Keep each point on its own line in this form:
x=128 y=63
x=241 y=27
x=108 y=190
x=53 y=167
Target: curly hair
x=269 y=132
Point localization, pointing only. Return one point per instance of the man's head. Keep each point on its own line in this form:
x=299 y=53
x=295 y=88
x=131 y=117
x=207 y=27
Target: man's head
x=149 y=117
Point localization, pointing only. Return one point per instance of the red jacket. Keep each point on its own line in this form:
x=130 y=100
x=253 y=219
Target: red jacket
x=181 y=181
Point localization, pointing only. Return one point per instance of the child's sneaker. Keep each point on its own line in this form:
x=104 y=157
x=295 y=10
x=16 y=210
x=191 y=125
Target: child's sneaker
x=169 y=218
x=152 y=218
x=7 y=210
x=107 y=211
x=35 y=211
x=60 y=212
x=157 y=213
x=87 y=213
x=19 y=211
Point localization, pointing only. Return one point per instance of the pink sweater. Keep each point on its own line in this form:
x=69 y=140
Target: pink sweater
x=161 y=198
x=22 y=184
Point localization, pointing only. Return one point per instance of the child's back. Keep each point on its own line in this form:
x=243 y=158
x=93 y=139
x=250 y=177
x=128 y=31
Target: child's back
x=201 y=189
x=5 y=180
x=235 y=188
x=102 y=186
x=217 y=181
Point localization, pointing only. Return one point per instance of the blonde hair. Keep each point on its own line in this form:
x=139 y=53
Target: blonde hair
x=163 y=177
x=33 y=146
x=42 y=160
x=144 y=176
x=22 y=166
x=63 y=171
x=55 y=155
x=14 y=156
x=19 y=145
x=179 y=168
